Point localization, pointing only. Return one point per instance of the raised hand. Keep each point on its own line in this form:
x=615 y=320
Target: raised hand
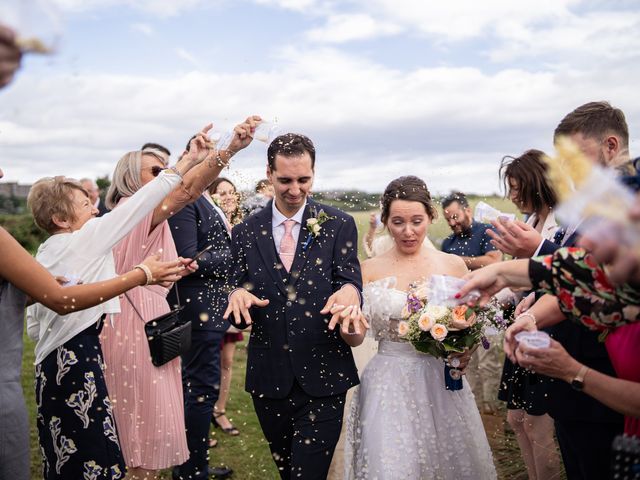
x=514 y=238
x=240 y=301
x=243 y=133
x=10 y=55
x=200 y=147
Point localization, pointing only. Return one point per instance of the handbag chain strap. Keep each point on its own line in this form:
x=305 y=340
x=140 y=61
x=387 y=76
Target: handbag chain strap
x=138 y=312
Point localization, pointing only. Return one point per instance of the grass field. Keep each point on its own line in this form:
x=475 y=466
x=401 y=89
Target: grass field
x=248 y=453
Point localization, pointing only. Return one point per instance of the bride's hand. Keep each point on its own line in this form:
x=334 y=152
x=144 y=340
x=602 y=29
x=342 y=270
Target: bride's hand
x=464 y=358
x=344 y=307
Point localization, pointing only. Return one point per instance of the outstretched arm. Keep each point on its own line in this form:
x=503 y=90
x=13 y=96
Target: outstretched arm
x=210 y=163
x=23 y=271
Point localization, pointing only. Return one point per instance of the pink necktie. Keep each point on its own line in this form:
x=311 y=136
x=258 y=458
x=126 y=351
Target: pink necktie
x=287 y=244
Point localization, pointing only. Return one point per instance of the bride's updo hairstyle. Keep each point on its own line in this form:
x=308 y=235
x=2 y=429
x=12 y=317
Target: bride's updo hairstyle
x=411 y=189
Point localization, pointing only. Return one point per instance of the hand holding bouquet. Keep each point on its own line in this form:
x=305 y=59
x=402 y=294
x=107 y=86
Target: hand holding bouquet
x=440 y=330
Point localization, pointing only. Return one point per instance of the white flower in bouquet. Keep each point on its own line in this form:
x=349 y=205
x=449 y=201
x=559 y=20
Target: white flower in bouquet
x=437 y=312
x=421 y=291
x=439 y=332
x=426 y=322
x=403 y=328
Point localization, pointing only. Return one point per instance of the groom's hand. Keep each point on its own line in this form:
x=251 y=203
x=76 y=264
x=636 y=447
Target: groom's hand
x=240 y=301
x=344 y=306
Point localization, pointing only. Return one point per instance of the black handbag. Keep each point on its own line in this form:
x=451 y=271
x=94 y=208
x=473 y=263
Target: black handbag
x=168 y=335
x=625 y=458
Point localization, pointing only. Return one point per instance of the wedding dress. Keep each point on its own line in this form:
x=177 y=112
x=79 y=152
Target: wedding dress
x=402 y=423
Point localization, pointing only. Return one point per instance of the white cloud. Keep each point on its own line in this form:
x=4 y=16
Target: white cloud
x=343 y=28
x=189 y=57
x=370 y=123
x=143 y=28
x=160 y=8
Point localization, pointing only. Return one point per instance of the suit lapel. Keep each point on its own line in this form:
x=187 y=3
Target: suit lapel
x=263 y=230
x=304 y=246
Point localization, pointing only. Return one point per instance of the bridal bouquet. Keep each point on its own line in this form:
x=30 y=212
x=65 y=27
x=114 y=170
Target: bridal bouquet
x=440 y=330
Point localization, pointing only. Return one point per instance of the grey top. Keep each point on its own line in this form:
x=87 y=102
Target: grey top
x=12 y=303
x=14 y=423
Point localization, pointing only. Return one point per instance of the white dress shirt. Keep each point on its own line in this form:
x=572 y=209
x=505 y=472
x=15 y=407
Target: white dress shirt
x=277 y=224
x=548 y=231
x=86 y=255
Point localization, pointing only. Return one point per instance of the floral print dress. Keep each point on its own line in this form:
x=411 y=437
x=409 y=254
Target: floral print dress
x=586 y=295
x=75 y=422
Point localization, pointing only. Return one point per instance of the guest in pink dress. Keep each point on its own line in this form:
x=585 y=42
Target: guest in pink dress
x=148 y=401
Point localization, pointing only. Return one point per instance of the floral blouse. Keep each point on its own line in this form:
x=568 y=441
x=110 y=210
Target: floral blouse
x=583 y=289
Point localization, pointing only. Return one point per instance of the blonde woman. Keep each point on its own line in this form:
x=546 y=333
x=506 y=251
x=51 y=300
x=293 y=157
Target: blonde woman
x=148 y=400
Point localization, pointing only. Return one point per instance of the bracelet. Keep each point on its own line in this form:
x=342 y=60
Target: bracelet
x=221 y=163
x=528 y=314
x=147 y=272
x=175 y=170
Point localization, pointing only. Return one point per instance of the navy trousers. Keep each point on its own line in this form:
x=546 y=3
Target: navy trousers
x=201 y=386
x=302 y=431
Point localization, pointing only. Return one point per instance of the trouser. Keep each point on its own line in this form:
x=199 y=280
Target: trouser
x=201 y=385
x=302 y=431
x=586 y=448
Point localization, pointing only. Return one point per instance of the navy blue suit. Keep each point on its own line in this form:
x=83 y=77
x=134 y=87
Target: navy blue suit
x=585 y=427
x=203 y=295
x=298 y=371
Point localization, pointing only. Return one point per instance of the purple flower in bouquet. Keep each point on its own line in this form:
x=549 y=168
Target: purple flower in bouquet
x=485 y=342
x=413 y=303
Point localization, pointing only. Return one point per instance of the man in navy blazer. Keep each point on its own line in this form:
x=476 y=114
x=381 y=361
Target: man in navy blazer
x=203 y=295
x=298 y=367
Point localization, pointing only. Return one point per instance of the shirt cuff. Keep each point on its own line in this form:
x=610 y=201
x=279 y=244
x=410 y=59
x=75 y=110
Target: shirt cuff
x=354 y=287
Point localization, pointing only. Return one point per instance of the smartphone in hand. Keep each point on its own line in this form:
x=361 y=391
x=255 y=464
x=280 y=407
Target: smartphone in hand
x=201 y=253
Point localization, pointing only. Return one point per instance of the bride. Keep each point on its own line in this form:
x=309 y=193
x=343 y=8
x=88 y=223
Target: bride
x=403 y=423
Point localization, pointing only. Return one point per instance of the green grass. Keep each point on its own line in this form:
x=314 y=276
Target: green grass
x=248 y=454
x=439 y=230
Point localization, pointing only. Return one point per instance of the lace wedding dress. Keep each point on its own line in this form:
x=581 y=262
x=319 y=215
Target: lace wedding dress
x=402 y=423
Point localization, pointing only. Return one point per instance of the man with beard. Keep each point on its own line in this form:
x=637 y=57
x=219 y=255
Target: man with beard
x=470 y=242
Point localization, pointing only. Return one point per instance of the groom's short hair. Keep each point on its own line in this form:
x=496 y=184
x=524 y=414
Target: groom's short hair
x=290 y=145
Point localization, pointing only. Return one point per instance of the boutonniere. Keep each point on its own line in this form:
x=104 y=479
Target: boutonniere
x=314 y=226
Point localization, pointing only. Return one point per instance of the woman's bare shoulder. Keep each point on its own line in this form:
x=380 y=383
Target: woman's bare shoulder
x=452 y=264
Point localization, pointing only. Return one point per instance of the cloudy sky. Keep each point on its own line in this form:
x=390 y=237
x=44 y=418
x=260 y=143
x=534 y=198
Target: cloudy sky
x=442 y=90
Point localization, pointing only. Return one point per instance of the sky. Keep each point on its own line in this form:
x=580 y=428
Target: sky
x=384 y=88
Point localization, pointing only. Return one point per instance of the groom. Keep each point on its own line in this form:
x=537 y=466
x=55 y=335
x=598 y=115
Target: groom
x=291 y=277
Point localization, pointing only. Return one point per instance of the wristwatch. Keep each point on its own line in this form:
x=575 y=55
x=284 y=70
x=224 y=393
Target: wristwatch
x=578 y=381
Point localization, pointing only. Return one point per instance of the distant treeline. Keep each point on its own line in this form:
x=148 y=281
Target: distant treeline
x=15 y=218
x=357 y=201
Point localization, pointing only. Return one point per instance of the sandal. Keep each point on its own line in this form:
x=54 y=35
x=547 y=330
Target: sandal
x=212 y=443
x=233 y=431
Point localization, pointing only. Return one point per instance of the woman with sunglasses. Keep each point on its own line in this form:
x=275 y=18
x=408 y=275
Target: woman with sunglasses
x=148 y=404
